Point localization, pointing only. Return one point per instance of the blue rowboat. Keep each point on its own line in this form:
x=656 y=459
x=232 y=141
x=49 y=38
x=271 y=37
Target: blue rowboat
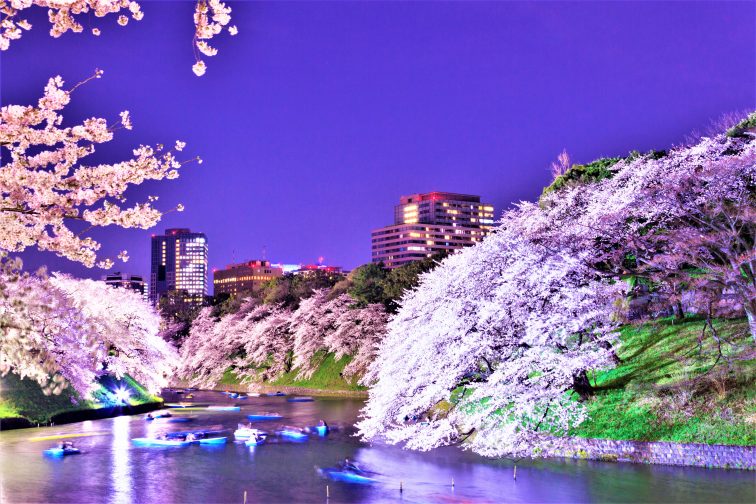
x=213 y=441
x=277 y=394
x=293 y=434
x=154 y=416
x=255 y=442
x=246 y=433
x=300 y=399
x=223 y=408
x=160 y=442
x=320 y=430
x=347 y=476
x=180 y=420
x=264 y=416
x=62 y=452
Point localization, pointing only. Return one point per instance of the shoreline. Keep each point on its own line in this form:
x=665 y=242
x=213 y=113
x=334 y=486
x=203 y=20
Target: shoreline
x=12 y=423
x=265 y=389
x=733 y=457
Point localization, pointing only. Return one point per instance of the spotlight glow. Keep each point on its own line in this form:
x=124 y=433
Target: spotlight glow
x=122 y=395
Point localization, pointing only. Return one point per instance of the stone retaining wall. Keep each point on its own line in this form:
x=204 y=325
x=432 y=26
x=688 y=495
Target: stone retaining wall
x=260 y=388
x=700 y=455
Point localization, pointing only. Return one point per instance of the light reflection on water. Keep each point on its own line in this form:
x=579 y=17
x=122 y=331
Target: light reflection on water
x=112 y=470
x=121 y=473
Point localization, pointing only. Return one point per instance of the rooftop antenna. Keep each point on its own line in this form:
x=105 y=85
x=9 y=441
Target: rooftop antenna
x=233 y=256
x=264 y=252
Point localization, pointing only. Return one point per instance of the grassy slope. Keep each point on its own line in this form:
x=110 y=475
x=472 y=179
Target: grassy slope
x=327 y=376
x=666 y=390
x=24 y=398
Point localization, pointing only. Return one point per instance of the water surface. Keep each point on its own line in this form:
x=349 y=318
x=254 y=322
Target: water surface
x=112 y=470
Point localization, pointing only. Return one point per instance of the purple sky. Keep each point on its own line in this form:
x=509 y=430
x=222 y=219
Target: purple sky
x=318 y=116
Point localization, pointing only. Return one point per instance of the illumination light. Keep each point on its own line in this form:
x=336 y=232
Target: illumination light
x=122 y=394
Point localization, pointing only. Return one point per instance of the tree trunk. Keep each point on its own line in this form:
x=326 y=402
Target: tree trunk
x=751 y=314
x=582 y=385
x=679 y=313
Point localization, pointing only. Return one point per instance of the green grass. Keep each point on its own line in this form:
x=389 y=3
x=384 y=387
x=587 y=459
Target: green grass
x=666 y=389
x=326 y=377
x=24 y=398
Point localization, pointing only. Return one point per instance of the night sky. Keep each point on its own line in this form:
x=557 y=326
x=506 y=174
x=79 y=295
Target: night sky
x=318 y=116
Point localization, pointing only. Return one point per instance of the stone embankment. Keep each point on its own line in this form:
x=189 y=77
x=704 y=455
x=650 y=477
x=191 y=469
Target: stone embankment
x=688 y=454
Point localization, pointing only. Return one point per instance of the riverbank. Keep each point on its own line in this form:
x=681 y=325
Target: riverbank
x=668 y=388
x=23 y=404
x=328 y=380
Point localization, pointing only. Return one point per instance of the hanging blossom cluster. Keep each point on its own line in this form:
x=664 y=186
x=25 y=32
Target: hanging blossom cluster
x=44 y=187
x=684 y=222
x=262 y=341
x=494 y=348
x=211 y=17
x=63 y=332
x=63 y=15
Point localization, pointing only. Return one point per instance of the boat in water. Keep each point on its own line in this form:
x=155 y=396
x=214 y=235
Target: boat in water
x=246 y=432
x=223 y=408
x=62 y=452
x=256 y=440
x=293 y=433
x=171 y=442
x=300 y=399
x=264 y=416
x=338 y=474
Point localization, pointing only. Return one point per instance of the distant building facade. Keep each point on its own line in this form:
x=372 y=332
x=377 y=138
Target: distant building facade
x=179 y=264
x=127 y=281
x=426 y=224
x=304 y=269
x=248 y=276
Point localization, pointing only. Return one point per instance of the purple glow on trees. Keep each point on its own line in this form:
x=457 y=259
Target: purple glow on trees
x=265 y=341
x=494 y=346
x=60 y=331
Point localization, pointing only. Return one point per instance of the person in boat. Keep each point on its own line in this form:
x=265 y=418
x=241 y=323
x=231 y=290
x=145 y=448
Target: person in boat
x=191 y=437
x=150 y=417
x=322 y=423
x=348 y=465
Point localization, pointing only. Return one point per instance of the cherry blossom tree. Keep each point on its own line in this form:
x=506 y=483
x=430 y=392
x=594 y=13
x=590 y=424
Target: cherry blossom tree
x=314 y=318
x=264 y=341
x=495 y=345
x=684 y=221
x=211 y=17
x=62 y=331
x=491 y=345
x=357 y=333
x=127 y=328
x=44 y=187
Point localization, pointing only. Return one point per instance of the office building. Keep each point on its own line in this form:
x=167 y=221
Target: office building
x=127 y=281
x=426 y=224
x=248 y=276
x=179 y=265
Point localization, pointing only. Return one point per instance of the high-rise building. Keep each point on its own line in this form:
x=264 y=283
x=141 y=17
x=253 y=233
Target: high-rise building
x=127 y=281
x=243 y=277
x=179 y=264
x=426 y=224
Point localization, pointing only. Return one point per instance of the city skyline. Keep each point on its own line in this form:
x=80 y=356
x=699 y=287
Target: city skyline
x=316 y=148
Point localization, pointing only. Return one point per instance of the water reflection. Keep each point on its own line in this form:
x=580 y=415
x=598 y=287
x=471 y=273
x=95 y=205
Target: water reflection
x=113 y=470
x=121 y=472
